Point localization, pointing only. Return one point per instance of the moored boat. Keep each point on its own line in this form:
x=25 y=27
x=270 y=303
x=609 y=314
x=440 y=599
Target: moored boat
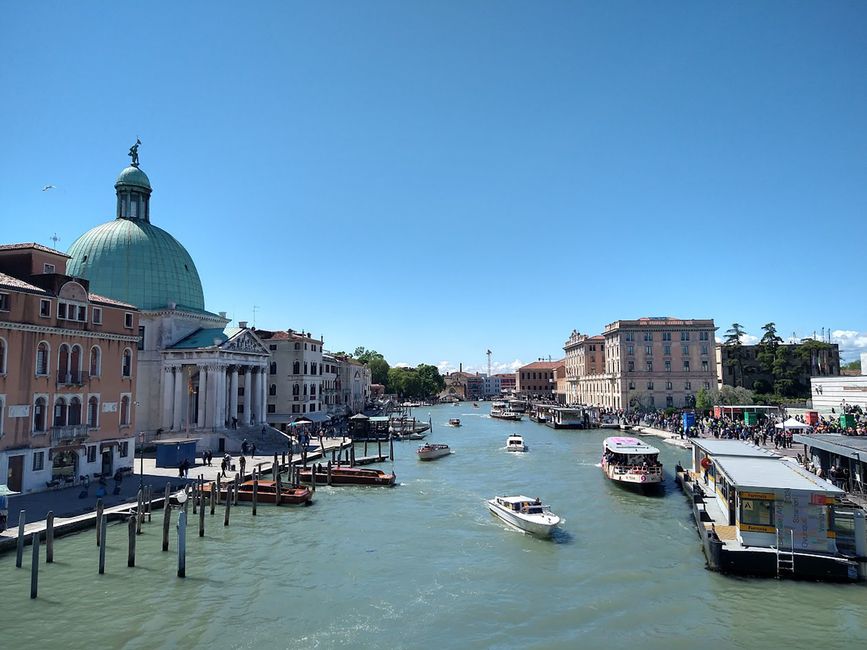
x=515 y=443
x=430 y=451
x=631 y=461
x=524 y=513
x=266 y=492
x=345 y=476
x=454 y=422
x=503 y=413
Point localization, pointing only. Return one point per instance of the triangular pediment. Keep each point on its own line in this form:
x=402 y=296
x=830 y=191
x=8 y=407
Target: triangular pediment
x=246 y=341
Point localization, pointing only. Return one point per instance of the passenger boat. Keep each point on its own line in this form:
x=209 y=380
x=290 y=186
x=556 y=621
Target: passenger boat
x=431 y=452
x=515 y=443
x=525 y=514
x=631 y=461
x=562 y=417
x=266 y=493
x=454 y=422
x=346 y=476
x=503 y=413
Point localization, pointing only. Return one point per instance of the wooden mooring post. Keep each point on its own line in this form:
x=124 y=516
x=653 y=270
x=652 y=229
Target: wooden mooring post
x=139 y=513
x=19 y=557
x=235 y=489
x=134 y=528
x=49 y=537
x=328 y=473
x=99 y=516
x=275 y=468
x=202 y=507
x=103 y=543
x=226 y=515
x=150 y=493
x=195 y=495
x=182 y=545
x=167 y=517
x=34 y=566
x=255 y=494
x=391 y=448
x=214 y=489
x=219 y=488
x=379 y=447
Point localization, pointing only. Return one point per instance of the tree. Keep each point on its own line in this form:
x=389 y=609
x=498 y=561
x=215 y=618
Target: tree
x=735 y=358
x=767 y=349
x=432 y=382
x=852 y=365
x=378 y=370
x=703 y=400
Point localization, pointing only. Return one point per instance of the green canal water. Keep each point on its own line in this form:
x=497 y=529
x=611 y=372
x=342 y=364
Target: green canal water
x=425 y=565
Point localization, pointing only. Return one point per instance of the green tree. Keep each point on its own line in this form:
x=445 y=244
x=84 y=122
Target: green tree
x=378 y=370
x=735 y=357
x=432 y=381
x=852 y=365
x=703 y=400
x=767 y=349
x=786 y=372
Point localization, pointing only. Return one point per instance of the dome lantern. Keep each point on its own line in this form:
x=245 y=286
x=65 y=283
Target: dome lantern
x=133 y=190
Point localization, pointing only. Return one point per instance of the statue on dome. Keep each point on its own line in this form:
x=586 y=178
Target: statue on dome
x=133 y=152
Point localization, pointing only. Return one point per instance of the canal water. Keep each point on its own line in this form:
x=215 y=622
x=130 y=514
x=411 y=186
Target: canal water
x=425 y=565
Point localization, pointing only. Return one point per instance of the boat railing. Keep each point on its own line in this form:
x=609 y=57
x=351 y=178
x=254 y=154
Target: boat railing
x=637 y=469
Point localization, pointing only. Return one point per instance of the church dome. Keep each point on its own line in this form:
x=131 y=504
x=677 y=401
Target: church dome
x=131 y=260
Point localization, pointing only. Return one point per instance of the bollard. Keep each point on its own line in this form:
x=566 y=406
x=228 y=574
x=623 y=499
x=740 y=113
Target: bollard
x=167 y=517
x=328 y=471
x=235 y=491
x=134 y=526
x=202 y=512
x=19 y=557
x=49 y=537
x=182 y=545
x=103 y=544
x=213 y=496
x=226 y=515
x=139 y=513
x=255 y=494
x=379 y=447
x=275 y=467
x=391 y=448
x=277 y=491
x=219 y=489
x=34 y=566
x=195 y=496
x=365 y=446
x=99 y=510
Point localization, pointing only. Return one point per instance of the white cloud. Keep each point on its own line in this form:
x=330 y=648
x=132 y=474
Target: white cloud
x=746 y=339
x=497 y=367
x=402 y=364
x=851 y=342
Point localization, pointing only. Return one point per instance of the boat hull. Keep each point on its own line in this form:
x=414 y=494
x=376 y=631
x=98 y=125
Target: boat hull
x=347 y=476
x=433 y=454
x=266 y=493
x=631 y=477
x=540 y=526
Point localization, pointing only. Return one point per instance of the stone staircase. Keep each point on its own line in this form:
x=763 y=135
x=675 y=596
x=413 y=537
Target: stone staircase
x=271 y=441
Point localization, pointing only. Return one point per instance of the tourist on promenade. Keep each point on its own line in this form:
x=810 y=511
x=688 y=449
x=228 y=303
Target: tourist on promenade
x=243 y=462
x=223 y=464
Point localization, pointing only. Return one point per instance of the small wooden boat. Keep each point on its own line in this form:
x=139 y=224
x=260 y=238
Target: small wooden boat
x=454 y=422
x=525 y=514
x=431 y=452
x=346 y=476
x=267 y=493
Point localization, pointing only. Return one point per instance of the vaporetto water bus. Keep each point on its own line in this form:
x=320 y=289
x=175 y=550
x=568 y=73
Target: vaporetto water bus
x=631 y=461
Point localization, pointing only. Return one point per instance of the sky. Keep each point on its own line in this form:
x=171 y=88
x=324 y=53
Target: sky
x=435 y=179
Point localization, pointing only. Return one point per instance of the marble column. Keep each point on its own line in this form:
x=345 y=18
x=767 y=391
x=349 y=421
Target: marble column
x=248 y=394
x=168 y=394
x=233 y=394
x=178 y=405
x=212 y=413
x=220 y=403
x=203 y=388
x=254 y=395
x=263 y=397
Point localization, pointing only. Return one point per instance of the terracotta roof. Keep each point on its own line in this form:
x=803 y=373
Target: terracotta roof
x=15 y=283
x=110 y=301
x=281 y=335
x=34 y=245
x=543 y=365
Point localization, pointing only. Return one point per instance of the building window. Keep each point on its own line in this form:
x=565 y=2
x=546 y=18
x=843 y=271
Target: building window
x=126 y=369
x=687 y=385
x=91 y=454
x=45 y=308
x=38 y=461
x=652 y=401
x=686 y=365
x=648 y=350
x=628 y=336
x=704 y=336
x=2 y=356
x=666 y=336
x=93 y=412
x=297 y=346
x=2 y=413
x=666 y=350
x=82 y=313
x=39 y=415
x=48 y=268
x=272 y=347
x=668 y=385
x=42 y=354
x=704 y=366
x=650 y=385
x=631 y=385
x=272 y=390
x=61 y=310
x=648 y=336
x=707 y=385
x=4 y=302
x=667 y=365
x=123 y=449
x=273 y=369
x=272 y=408
x=296 y=368
x=684 y=350
x=684 y=336
x=97 y=315
x=124 y=410
x=141 y=335
x=669 y=401
x=95 y=361
x=630 y=366
x=649 y=365
x=757 y=512
x=127 y=320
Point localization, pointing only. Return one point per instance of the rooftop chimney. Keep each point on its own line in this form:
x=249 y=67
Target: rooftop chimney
x=242 y=324
x=222 y=314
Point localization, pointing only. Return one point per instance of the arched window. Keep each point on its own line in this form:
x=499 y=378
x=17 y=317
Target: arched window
x=74 y=414
x=93 y=412
x=272 y=390
x=63 y=362
x=95 y=361
x=39 y=414
x=75 y=364
x=305 y=367
x=296 y=389
x=42 y=357
x=296 y=368
x=2 y=356
x=126 y=370
x=305 y=389
x=60 y=412
x=273 y=367
x=124 y=410
x=312 y=390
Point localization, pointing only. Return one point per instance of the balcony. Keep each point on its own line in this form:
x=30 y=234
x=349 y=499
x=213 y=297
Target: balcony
x=61 y=434
x=76 y=378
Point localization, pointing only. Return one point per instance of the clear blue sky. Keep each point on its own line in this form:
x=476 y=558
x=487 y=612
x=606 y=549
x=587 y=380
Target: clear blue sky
x=435 y=179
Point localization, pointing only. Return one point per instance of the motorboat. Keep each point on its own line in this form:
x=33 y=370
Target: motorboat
x=515 y=443
x=430 y=451
x=340 y=475
x=631 y=461
x=501 y=411
x=266 y=492
x=454 y=422
x=525 y=514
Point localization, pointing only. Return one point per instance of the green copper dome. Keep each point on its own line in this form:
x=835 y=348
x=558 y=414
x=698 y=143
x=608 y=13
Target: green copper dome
x=133 y=176
x=136 y=262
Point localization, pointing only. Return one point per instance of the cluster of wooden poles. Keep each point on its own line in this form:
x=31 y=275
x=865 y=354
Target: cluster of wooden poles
x=200 y=498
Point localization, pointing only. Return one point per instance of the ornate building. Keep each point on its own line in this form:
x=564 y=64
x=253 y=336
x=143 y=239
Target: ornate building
x=195 y=374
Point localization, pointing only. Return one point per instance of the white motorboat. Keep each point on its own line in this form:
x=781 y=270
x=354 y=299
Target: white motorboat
x=454 y=422
x=525 y=514
x=631 y=461
x=430 y=451
x=504 y=413
x=515 y=443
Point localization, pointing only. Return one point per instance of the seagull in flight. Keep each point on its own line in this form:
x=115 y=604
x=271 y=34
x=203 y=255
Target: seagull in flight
x=48 y=187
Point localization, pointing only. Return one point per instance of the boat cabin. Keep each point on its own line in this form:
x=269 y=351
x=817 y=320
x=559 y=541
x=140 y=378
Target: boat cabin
x=562 y=417
x=522 y=504
x=621 y=450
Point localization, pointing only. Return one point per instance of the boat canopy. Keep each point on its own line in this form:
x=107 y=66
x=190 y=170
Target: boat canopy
x=626 y=445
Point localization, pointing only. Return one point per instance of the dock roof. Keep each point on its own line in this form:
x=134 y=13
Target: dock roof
x=714 y=447
x=772 y=474
x=849 y=446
